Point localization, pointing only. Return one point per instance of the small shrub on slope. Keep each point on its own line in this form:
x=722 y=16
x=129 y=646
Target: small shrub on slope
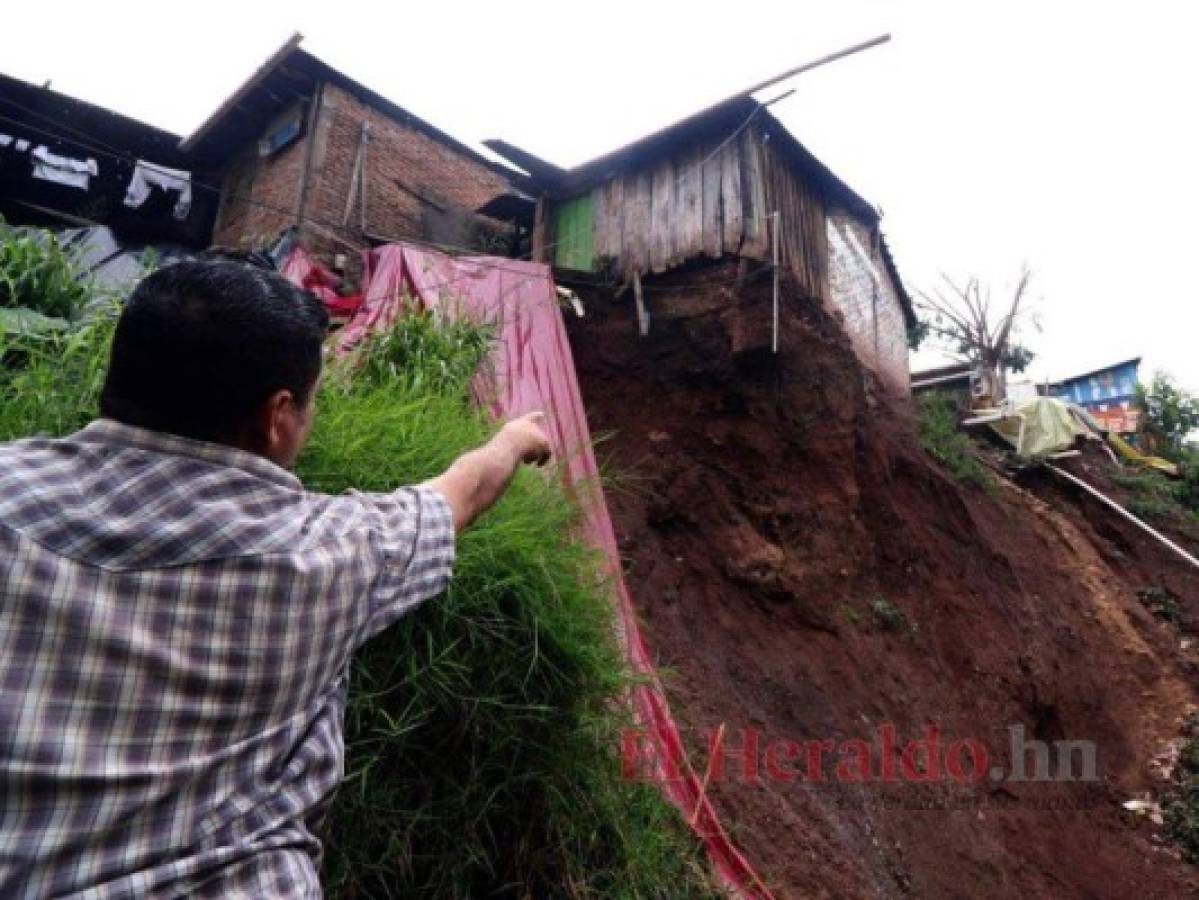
x=940 y=437
x=1182 y=812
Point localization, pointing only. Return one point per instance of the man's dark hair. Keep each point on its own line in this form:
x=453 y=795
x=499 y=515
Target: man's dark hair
x=201 y=345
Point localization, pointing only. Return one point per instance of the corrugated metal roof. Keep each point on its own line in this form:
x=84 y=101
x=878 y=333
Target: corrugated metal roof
x=1136 y=360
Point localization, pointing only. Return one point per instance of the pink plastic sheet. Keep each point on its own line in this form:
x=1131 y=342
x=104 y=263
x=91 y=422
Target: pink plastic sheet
x=533 y=369
x=301 y=269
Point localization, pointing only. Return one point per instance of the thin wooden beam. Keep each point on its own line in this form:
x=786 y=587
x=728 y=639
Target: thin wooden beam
x=314 y=109
x=355 y=174
x=774 y=335
x=814 y=64
x=189 y=143
x=642 y=311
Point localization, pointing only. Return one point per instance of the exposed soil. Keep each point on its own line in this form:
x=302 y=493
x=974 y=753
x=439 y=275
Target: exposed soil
x=805 y=570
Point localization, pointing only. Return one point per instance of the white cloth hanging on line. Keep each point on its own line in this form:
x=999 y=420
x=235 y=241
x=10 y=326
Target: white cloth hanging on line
x=147 y=175
x=64 y=170
x=6 y=140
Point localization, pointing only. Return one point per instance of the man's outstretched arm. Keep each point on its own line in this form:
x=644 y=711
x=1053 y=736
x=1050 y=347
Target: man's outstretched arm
x=477 y=479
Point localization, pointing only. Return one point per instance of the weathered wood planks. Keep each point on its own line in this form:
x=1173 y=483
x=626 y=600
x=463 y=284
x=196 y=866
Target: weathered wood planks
x=689 y=207
x=730 y=193
x=712 y=199
x=713 y=203
x=663 y=220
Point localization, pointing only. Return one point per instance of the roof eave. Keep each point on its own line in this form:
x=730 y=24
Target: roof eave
x=189 y=143
x=1100 y=370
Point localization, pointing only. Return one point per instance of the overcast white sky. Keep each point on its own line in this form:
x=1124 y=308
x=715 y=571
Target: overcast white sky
x=1061 y=133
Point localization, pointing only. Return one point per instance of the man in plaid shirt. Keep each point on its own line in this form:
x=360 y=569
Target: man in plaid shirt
x=177 y=614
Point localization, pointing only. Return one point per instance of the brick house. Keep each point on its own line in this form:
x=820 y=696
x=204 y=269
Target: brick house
x=302 y=145
x=865 y=289
x=706 y=191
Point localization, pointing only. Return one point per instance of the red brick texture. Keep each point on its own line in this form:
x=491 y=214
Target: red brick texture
x=417 y=188
x=863 y=293
x=259 y=195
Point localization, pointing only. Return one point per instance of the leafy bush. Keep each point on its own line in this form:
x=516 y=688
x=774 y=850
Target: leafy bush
x=36 y=274
x=939 y=435
x=1182 y=812
x=1169 y=414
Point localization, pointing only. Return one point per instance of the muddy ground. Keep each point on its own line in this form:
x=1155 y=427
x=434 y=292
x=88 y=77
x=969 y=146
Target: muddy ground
x=805 y=572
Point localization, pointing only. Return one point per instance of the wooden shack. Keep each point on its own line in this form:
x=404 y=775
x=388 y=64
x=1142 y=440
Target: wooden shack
x=710 y=187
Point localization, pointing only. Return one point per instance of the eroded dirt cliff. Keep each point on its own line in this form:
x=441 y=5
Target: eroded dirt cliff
x=806 y=572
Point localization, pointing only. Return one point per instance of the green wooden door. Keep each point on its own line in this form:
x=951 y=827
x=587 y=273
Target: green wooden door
x=574 y=225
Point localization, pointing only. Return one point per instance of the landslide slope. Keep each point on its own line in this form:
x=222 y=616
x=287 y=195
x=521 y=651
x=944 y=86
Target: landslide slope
x=806 y=572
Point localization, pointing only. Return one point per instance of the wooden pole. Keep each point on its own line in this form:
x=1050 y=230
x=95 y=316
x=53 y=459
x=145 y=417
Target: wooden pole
x=355 y=175
x=774 y=337
x=642 y=312
x=814 y=64
x=318 y=97
x=366 y=139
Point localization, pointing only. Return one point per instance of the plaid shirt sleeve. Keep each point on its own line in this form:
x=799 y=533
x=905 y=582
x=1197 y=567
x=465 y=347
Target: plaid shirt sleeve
x=176 y=623
x=412 y=531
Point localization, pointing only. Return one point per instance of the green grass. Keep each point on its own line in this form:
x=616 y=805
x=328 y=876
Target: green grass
x=1151 y=508
x=427 y=353
x=1159 y=601
x=889 y=616
x=937 y=429
x=50 y=384
x=482 y=731
x=1161 y=499
x=36 y=274
x=1181 y=812
x=1186 y=489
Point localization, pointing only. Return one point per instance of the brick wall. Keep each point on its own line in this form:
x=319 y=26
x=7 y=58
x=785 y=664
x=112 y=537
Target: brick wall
x=416 y=187
x=259 y=195
x=862 y=292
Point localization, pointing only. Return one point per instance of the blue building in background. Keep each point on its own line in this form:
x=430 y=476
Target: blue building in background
x=1108 y=394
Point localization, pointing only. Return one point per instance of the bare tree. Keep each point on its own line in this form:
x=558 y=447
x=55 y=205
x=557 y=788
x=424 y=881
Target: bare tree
x=970 y=329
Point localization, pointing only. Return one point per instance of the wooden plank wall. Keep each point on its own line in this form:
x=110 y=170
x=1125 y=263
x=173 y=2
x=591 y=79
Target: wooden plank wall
x=709 y=201
x=803 y=234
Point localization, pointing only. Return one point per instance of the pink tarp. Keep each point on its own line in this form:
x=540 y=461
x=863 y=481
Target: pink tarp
x=533 y=369
x=300 y=268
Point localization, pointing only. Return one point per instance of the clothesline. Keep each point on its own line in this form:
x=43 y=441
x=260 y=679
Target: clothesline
x=77 y=173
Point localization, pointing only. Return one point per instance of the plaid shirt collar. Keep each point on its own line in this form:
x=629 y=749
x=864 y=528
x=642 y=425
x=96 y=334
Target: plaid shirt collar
x=112 y=432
